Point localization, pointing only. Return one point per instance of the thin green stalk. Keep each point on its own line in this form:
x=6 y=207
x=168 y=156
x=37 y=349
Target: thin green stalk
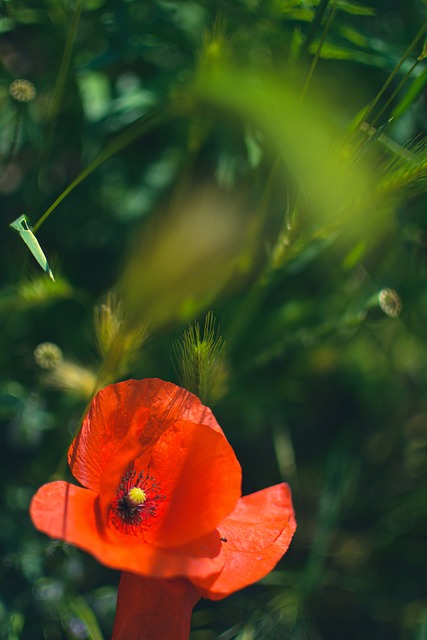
x=15 y=137
x=8 y=9
x=183 y=181
x=80 y=608
x=58 y=93
x=61 y=468
x=259 y=289
x=250 y=304
x=141 y=126
x=63 y=70
x=318 y=52
x=341 y=471
x=268 y=191
x=380 y=93
x=395 y=92
x=320 y=12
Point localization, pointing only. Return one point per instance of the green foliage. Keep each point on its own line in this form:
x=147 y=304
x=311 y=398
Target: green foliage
x=265 y=160
x=33 y=293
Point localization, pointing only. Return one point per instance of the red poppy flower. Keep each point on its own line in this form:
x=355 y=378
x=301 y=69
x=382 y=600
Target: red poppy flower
x=161 y=502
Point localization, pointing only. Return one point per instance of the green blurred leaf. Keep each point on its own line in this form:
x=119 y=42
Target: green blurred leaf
x=334 y=51
x=33 y=293
x=355 y=9
x=6 y=24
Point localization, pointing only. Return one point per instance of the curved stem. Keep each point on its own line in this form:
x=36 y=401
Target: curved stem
x=14 y=139
x=128 y=136
x=318 y=51
x=320 y=12
x=380 y=93
x=58 y=90
x=395 y=92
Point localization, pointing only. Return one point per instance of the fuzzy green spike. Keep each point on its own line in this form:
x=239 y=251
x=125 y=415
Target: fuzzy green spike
x=201 y=363
x=119 y=340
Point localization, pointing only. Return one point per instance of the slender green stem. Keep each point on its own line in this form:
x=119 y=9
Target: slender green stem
x=14 y=140
x=320 y=12
x=380 y=93
x=80 y=608
x=268 y=191
x=57 y=95
x=65 y=65
x=340 y=474
x=318 y=52
x=141 y=126
x=61 y=468
x=8 y=9
x=61 y=78
x=259 y=289
x=395 y=92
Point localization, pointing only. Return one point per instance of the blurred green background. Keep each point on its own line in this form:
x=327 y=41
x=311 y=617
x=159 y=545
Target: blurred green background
x=264 y=161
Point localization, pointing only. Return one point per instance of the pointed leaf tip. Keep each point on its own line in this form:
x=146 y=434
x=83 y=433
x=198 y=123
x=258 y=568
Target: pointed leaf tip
x=22 y=227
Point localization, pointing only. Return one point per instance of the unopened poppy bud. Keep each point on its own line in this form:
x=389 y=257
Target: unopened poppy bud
x=47 y=355
x=390 y=302
x=22 y=90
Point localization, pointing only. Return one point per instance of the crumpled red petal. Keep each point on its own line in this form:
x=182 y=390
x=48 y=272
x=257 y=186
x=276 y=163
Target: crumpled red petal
x=64 y=511
x=112 y=412
x=197 y=471
x=149 y=609
x=201 y=478
x=257 y=534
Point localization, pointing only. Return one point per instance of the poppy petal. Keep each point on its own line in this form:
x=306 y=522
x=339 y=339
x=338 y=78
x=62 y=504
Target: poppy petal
x=255 y=536
x=198 y=474
x=122 y=462
x=64 y=511
x=115 y=408
x=200 y=477
x=150 y=609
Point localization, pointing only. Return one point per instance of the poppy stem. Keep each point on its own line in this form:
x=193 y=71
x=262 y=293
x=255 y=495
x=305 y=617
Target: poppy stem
x=154 y=609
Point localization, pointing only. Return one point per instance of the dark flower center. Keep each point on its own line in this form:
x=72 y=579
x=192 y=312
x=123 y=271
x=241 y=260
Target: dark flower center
x=136 y=503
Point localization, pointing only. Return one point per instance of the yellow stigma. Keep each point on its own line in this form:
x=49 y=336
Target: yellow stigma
x=136 y=496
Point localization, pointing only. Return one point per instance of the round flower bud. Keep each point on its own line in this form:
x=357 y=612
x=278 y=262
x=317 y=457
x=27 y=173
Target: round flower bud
x=22 y=90
x=47 y=355
x=390 y=302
